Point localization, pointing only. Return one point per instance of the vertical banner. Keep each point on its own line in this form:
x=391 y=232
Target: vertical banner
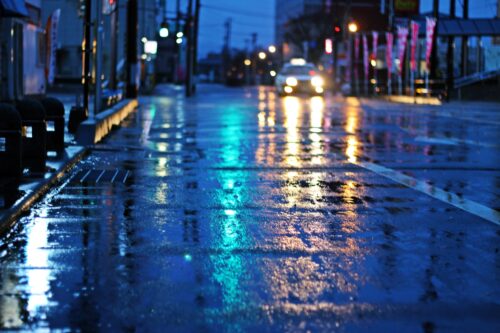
x=430 y=26
x=402 y=40
x=356 y=60
x=51 y=42
x=366 y=61
x=415 y=27
x=374 y=57
x=374 y=44
x=429 y=36
x=388 y=59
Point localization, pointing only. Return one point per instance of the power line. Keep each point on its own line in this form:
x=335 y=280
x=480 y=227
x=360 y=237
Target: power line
x=259 y=15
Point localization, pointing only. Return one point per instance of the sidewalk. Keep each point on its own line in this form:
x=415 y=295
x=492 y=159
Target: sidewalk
x=14 y=203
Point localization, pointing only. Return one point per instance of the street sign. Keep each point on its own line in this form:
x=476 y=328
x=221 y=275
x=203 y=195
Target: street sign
x=407 y=7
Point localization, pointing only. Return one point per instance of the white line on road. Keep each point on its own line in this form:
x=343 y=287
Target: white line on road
x=453 y=141
x=469 y=206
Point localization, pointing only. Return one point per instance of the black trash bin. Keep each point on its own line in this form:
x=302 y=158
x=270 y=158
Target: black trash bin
x=34 y=130
x=11 y=168
x=10 y=143
x=54 y=110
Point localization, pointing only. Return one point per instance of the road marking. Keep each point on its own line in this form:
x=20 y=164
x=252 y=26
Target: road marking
x=453 y=141
x=469 y=206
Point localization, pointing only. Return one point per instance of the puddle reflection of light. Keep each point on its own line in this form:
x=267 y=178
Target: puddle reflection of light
x=317 y=110
x=262 y=119
x=162 y=147
x=292 y=109
x=37 y=259
x=161 y=169
x=262 y=106
x=352 y=149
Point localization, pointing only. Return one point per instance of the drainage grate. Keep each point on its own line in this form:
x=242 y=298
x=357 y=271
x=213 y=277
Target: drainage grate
x=97 y=176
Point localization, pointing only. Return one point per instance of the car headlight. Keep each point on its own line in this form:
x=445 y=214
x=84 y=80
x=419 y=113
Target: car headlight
x=291 y=81
x=317 y=81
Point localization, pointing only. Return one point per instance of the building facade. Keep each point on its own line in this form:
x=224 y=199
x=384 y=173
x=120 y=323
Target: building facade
x=290 y=9
x=70 y=34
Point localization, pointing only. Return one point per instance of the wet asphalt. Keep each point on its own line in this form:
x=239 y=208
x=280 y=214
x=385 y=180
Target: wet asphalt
x=239 y=211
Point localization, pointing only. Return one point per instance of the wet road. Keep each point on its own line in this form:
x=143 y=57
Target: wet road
x=238 y=211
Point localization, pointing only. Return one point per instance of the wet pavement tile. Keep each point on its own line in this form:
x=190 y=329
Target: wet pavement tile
x=240 y=211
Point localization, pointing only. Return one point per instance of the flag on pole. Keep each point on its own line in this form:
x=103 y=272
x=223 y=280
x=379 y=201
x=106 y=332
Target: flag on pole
x=402 y=40
x=388 y=50
x=415 y=27
x=429 y=37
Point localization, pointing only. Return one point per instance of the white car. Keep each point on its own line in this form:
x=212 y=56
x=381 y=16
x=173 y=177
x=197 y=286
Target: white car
x=299 y=77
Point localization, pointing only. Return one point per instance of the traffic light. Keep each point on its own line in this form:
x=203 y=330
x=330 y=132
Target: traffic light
x=81 y=8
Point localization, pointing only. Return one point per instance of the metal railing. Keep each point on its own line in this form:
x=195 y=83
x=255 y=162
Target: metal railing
x=476 y=77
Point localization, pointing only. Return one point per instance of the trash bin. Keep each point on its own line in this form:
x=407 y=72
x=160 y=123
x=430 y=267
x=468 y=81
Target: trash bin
x=10 y=143
x=34 y=131
x=54 y=110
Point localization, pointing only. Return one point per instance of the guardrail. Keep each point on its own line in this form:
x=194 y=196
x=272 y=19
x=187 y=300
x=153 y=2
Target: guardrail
x=474 y=78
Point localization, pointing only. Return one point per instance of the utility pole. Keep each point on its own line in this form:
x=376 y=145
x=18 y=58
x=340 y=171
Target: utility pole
x=195 y=42
x=98 y=57
x=189 y=51
x=178 y=47
x=465 y=41
x=450 y=56
x=226 y=52
x=114 y=45
x=434 y=54
x=254 y=57
x=87 y=48
x=132 y=25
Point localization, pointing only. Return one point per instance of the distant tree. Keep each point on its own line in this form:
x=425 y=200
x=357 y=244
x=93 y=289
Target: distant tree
x=312 y=29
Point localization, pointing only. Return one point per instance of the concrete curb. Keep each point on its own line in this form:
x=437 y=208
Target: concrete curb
x=11 y=215
x=420 y=100
x=94 y=130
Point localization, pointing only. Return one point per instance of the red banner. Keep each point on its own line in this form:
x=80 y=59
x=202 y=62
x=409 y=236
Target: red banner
x=429 y=37
x=402 y=40
x=366 y=56
x=388 y=50
x=415 y=27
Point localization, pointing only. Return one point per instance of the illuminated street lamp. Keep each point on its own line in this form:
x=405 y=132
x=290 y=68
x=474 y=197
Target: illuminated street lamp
x=352 y=27
x=163 y=29
x=272 y=49
x=262 y=55
x=247 y=62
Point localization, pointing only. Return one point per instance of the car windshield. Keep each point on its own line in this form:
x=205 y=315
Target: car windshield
x=299 y=70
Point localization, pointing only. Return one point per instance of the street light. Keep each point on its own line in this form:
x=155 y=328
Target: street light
x=353 y=27
x=163 y=29
x=272 y=49
x=247 y=62
x=262 y=55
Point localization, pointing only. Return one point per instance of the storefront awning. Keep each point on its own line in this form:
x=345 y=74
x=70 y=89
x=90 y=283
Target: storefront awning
x=471 y=27
x=13 y=8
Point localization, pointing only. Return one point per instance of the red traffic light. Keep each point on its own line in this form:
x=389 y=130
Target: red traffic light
x=337 y=28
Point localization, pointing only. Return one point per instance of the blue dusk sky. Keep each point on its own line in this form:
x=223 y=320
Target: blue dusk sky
x=250 y=16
